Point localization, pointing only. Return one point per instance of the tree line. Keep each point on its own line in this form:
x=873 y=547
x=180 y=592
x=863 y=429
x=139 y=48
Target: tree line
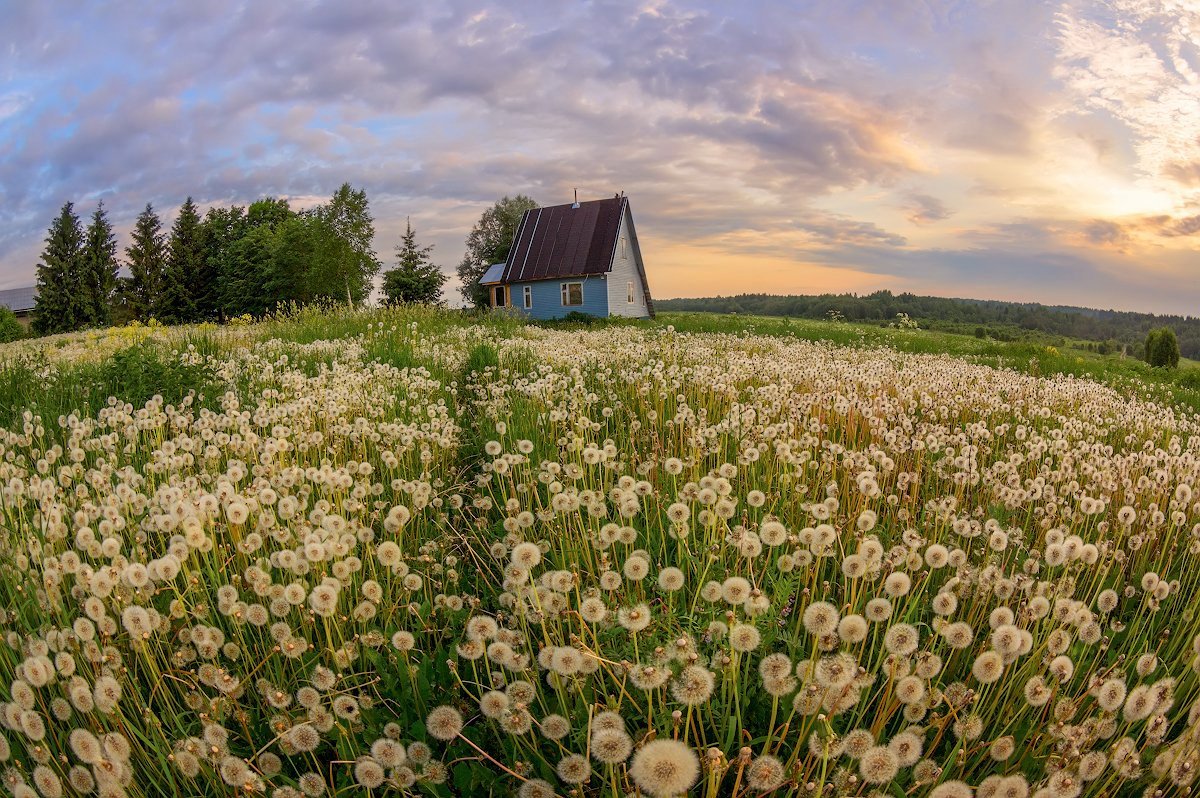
x=227 y=263
x=1111 y=330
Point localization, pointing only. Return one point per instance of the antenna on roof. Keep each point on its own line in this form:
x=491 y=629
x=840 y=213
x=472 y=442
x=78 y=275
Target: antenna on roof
x=576 y=204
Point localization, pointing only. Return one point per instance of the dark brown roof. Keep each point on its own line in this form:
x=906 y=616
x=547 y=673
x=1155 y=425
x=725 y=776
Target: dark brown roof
x=565 y=241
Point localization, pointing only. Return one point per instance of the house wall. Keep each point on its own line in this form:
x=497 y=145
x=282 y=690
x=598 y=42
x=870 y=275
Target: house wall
x=624 y=271
x=547 y=297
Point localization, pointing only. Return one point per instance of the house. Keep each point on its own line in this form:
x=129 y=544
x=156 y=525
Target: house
x=20 y=301
x=581 y=257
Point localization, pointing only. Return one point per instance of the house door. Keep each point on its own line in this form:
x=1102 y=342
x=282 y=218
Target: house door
x=499 y=302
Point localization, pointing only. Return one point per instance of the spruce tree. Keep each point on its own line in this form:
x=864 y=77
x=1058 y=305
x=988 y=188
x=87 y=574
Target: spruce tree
x=415 y=278
x=220 y=230
x=99 y=269
x=59 y=289
x=147 y=257
x=176 y=300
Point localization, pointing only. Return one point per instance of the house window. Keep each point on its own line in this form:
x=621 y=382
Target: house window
x=629 y=292
x=499 y=303
x=623 y=250
x=572 y=294
x=528 y=292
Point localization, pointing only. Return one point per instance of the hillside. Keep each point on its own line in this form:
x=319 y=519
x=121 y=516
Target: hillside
x=1108 y=330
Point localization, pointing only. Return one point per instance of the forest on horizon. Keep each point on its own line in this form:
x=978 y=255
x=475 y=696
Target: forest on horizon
x=1109 y=331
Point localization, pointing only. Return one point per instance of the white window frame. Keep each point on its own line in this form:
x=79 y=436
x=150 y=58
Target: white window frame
x=629 y=292
x=624 y=250
x=527 y=291
x=565 y=289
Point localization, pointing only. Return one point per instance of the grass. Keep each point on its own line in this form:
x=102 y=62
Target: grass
x=375 y=514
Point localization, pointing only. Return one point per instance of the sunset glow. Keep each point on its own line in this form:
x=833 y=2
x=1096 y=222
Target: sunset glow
x=1021 y=150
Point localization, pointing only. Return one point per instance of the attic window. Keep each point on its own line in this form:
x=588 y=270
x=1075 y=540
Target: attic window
x=572 y=294
x=624 y=252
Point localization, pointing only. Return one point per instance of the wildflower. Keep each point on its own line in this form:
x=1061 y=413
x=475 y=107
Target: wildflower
x=636 y=568
x=555 y=727
x=611 y=745
x=852 y=628
x=901 y=639
x=906 y=746
x=773 y=533
x=663 y=768
x=765 y=774
x=988 y=667
x=526 y=555
x=670 y=579
x=536 y=788
x=744 y=637
x=574 y=769
x=444 y=722
x=368 y=773
x=388 y=753
x=735 y=590
x=856 y=743
x=878 y=765
x=693 y=685
x=634 y=619
x=820 y=618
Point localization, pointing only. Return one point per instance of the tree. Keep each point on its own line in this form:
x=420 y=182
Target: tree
x=344 y=263
x=58 y=307
x=1162 y=348
x=99 y=270
x=415 y=278
x=291 y=258
x=147 y=256
x=176 y=301
x=220 y=230
x=246 y=272
x=268 y=212
x=489 y=242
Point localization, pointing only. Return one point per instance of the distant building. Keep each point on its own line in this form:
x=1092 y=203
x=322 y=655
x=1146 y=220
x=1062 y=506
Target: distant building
x=581 y=257
x=20 y=301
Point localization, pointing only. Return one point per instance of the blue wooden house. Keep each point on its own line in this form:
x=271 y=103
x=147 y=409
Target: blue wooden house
x=582 y=257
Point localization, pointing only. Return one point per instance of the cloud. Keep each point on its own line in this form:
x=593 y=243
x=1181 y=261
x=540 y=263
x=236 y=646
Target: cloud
x=13 y=103
x=923 y=209
x=1102 y=232
x=1139 y=65
x=879 y=140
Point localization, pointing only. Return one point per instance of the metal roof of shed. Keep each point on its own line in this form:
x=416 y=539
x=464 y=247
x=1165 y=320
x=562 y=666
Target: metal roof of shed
x=19 y=300
x=493 y=274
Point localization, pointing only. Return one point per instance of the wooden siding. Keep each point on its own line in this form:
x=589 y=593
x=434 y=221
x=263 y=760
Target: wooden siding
x=547 y=297
x=625 y=271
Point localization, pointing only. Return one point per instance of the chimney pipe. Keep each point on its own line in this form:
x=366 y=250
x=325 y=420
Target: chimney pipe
x=576 y=204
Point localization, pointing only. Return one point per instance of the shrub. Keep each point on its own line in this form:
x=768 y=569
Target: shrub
x=1162 y=348
x=10 y=328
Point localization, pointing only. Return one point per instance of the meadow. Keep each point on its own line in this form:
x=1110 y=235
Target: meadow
x=415 y=552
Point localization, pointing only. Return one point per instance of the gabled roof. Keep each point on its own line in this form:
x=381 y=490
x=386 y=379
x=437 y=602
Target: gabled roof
x=565 y=241
x=19 y=300
x=493 y=274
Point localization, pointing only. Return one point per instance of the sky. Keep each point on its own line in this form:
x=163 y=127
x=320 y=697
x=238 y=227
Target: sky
x=1009 y=149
